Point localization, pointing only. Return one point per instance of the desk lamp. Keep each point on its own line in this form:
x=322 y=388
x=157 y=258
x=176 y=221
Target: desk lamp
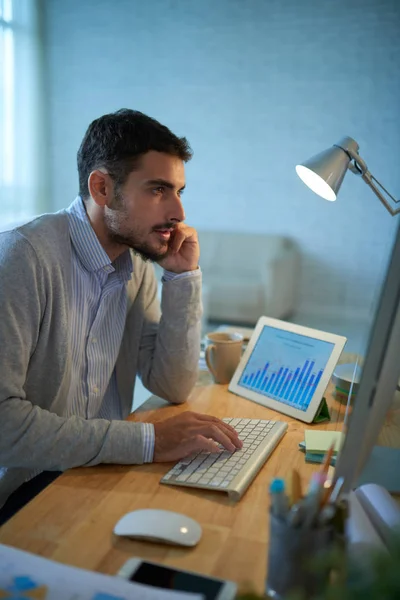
x=325 y=172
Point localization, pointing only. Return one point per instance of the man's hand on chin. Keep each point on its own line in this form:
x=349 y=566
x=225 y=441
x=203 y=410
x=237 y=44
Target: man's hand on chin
x=189 y=432
x=183 y=254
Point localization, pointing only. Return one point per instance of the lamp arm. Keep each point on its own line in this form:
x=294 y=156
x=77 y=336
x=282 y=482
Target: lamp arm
x=370 y=179
x=360 y=168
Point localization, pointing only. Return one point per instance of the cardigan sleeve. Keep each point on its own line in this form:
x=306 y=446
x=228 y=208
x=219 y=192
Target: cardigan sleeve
x=170 y=346
x=31 y=436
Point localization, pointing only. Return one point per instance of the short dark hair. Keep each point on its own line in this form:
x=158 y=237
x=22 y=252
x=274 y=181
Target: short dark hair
x=118 y=140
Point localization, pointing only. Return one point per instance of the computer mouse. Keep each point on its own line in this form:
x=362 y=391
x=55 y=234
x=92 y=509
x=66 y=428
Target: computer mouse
x=155 y=525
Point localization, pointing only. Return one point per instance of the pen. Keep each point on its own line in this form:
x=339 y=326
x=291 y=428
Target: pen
x=341 y=514
x=313 y=498
x=279 y=500
x=327 y=515
x=336 y=490
x=296 y=514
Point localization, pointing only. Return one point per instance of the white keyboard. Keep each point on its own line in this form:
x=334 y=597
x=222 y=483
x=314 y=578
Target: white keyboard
x=230 y=472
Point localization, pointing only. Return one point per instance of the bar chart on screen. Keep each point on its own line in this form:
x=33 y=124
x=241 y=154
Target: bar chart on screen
x=286 y=366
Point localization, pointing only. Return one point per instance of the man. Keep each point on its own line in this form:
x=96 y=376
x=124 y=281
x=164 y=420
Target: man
x=79 y=315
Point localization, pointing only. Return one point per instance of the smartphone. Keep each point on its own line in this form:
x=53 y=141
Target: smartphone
x=168 y=578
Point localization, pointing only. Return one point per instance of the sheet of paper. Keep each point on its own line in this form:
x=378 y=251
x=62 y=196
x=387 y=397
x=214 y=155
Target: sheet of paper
x=360 y=533
x=26 y=576
x=318 y=441
x=381 y=509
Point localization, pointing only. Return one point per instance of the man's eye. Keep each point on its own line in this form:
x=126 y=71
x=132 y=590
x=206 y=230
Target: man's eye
x=180 y=192
x=159 y=190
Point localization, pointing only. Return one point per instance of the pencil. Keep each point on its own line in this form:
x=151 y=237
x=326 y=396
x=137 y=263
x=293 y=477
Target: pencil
x=328 y=487
x=327 y=459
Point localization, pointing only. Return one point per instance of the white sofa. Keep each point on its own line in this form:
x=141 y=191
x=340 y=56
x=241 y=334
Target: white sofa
x=248 y=275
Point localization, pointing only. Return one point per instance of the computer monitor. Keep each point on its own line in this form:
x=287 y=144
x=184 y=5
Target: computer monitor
x=380 y=375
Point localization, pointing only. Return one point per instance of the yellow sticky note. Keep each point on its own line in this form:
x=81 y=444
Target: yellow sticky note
x=321 y=441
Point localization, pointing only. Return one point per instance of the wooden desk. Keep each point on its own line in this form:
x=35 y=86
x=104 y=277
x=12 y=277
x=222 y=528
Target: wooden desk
x=72 y=520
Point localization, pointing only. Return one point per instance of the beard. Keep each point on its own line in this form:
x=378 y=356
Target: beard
x=116 y=219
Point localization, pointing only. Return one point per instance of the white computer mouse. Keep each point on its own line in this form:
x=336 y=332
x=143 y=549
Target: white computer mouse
x=159 y=526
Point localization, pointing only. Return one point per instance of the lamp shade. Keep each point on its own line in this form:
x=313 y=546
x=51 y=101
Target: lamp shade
x=324 y=172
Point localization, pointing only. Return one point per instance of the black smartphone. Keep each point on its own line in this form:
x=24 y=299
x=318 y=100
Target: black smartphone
x=167 y=578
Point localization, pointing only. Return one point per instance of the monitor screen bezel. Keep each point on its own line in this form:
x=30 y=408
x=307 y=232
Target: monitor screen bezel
x=380 y=375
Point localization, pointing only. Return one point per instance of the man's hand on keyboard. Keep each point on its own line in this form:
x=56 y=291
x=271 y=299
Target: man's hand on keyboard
x=189 y=432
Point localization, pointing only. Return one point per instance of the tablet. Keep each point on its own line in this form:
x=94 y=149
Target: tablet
x=287 y=367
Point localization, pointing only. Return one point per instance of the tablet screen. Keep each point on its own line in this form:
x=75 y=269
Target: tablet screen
x=286 y=366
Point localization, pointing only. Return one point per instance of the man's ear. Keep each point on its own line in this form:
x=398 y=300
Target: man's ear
x=101 y=187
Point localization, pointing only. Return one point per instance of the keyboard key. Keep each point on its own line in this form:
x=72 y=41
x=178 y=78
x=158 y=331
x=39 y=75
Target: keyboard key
x=226 y=454
x=194 y=478
x=186 y=461
x=205 y=479
x=216 y=481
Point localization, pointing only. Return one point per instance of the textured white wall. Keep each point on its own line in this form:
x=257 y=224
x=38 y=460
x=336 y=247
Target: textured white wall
x=256 y=86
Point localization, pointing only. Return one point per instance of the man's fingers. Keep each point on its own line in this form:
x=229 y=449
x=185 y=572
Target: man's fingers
x=212 y=419
x=233 y=436
x=177 y=240
x=181 y=234
x=214 y=432
x=225 y=427
x=200 y=443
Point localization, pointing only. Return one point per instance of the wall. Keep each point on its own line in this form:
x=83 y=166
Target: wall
x=256 y=86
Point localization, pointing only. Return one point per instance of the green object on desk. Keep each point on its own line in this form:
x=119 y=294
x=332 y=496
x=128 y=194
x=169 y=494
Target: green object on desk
x=322 y=413
x=315 y=457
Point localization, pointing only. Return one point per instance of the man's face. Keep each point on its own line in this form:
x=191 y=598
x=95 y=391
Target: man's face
x=148 y=206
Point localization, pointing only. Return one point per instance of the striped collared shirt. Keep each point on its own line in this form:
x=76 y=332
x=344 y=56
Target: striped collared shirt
x=98 y=311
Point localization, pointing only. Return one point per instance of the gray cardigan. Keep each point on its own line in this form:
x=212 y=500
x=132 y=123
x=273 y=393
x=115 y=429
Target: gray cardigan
x=35 y=359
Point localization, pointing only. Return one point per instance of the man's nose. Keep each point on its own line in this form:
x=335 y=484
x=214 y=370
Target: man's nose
x=175 y=210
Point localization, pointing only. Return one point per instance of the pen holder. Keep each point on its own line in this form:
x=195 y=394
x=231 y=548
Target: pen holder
x=293 y=552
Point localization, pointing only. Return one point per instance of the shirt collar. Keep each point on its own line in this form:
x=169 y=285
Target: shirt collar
x=87 y=246
x=124 y=265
